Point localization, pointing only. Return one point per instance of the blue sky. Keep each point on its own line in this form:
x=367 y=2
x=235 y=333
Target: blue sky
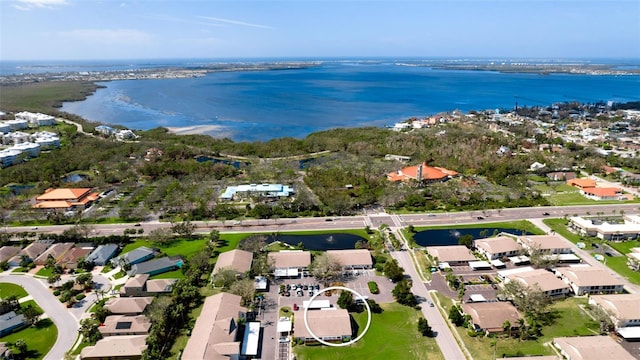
x=145 y=29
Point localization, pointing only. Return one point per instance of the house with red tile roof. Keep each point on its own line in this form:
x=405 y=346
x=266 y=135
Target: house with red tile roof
x=76 y=198
x=421 y=173
x=608 y=193
x=582 y=183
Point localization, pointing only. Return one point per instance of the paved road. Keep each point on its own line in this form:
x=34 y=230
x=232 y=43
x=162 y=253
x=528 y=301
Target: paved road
x=67 y=325
x=445 y=339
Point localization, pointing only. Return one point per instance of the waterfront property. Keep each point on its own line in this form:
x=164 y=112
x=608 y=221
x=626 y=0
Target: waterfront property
x=267 y=191
x=591 y=348
x=215 y=333
x=453 y=255
x=352 y=259
x=629 y=229
x=490 y=317
x=331 y=325
x=125 y=347
x=589 y=280
x=237 y=260
x=79 y=198
x=497 y=247
x=545 y=244
x=289 y=263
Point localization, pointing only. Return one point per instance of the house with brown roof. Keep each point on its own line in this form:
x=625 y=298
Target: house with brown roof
x=591 y=348
x=57 y=252
x=78 y=198
x=546 y=244
x=491 y=316
x=215 y=333
x=497 y=247
x=589 y=280
x=454 y=255
x=237 y=260
x=581 y=183
x=623 y=308
x=116 y=325
x=7 y=252
x=351 y=259
x=71 y=258
x=421 y=173
x=562 y=175
x=332 y=325
x=603 y=193
x=126 y=347
x=159 y=286
x=547 y=282
x=289 y=263
x=127 y=305
x=140 y=285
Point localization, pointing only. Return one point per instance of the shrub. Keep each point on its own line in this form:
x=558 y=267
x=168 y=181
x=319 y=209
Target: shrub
x=56 y=292
x=373 y=287
x=80 y=297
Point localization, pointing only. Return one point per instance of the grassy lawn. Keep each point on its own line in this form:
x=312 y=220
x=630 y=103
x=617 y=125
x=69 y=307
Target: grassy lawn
x=31 y=303
x=175 y=274
x=119 y=275
x=521 y=224
x=106 y=268
x=39 y=339
x=7 y=290
x=568 y=320
x=575 y=198
x=392 y=335
x=560 y=227
x=45 y=272
x=20 y=270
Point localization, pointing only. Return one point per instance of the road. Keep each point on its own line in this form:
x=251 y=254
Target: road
x=444 y=337
x=67 y=325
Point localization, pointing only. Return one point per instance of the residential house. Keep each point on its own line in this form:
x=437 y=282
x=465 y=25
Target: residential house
x=215 y=333
x=160 y=286
x=591 y=348
x=105 y=130
x=589 y=280
x=36 y=119
x=140 y=285
x=289 y=263
x=454 y=255
x=237 y=260
x=66 y=199
x=562 y=175
x=602 y=193
x=31 y=252
x=102 y=254
x=116 y=325
x=157 y=266
x=633 y=259
x=125 y=134
x=628 y=230
x=9 y=322
x=7 y=252
x=71 y=258
x=421 y=173
x=134 y=256
x=546 y=244
x=127 y=305
x=541 y=279
x=269 y=191
x=536 y=166
x=491 y=316
x=582 y=183
x=623 y=308
x=333 y=325
x=125 y=347
x=57 y=252
x=352 y=259
x=498 y=247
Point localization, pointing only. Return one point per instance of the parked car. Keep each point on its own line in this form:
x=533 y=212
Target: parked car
x=295 y=307
x=480 y=217
x=545 y=214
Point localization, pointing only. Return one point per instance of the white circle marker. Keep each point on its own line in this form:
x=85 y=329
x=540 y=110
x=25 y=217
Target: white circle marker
x=364 y=301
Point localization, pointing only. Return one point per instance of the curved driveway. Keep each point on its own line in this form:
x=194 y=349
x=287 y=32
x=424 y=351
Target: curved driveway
x=67 y=325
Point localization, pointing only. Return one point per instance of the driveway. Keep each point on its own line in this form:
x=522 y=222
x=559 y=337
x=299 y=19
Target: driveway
x=67 y=325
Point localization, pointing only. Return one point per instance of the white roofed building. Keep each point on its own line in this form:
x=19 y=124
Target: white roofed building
x=547 y=244
x=498 y=247
x=270 y=191
x=36 y=119
x=628 y=230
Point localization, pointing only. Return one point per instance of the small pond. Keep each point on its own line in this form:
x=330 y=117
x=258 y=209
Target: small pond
x=322 y=242
x=442 y=237
x=74 y=178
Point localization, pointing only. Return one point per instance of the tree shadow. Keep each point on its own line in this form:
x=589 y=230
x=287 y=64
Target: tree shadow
x=354 y=326
x=549 y=318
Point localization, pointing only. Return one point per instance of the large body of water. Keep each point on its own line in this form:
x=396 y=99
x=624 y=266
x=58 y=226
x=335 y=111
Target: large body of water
x=261 y=105
x=445 y=237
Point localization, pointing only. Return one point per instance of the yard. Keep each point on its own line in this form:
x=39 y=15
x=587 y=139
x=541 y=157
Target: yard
x=39 y=339
x=566 y=319
x=392 y=335
x=7 y=290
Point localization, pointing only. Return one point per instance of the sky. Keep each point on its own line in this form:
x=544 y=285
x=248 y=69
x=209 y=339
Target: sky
x=173 y=29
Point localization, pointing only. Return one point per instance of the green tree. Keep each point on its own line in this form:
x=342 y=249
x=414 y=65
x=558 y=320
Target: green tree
x=31 y=314
x=455 y=315
x=345 y=301
x=245 y=289
x=466 y=240
x=89 y=330
x=184 y=228
x=21 y=346
x=393 y=271
x=424 y=328
x=53 y=278
x=403 y=295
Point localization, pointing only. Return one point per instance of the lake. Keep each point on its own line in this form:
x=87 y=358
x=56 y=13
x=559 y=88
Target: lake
x=441 y=237
x=321 y=242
